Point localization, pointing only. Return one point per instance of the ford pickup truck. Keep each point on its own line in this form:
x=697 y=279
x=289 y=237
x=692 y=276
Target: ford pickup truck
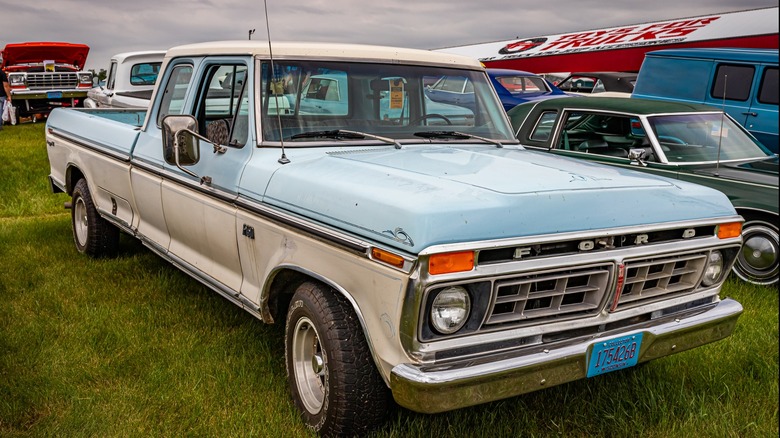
x=129 y=82
x=46 y=75
x=406 y=252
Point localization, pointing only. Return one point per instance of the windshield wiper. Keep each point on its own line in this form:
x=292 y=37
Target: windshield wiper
x=458 y=135
x=346 y=134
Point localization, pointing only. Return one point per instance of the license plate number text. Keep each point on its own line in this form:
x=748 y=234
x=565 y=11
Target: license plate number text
x=614 y=354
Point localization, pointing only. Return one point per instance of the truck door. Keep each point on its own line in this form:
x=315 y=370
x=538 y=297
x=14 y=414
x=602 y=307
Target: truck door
x=198 y=203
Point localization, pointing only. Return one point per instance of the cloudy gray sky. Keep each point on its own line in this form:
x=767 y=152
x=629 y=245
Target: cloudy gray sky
x=113 y=26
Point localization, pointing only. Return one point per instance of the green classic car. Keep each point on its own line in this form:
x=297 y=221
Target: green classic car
x=695 y=143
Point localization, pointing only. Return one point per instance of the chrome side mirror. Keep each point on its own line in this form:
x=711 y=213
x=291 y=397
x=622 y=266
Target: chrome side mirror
x=181 y=144
x=637 y=156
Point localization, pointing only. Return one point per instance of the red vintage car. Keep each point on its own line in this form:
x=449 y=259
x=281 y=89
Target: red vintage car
x=46 y=75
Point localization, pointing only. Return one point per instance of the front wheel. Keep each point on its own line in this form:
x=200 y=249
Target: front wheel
x=92 y=234
x=332 y=377
x=758 y=259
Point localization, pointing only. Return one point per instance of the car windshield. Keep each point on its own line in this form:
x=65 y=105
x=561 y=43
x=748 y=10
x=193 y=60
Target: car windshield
x=704 y=137
x=340 y=99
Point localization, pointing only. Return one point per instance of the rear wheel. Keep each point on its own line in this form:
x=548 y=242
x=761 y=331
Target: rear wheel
x=332 y=377
x=92 y=234
x=758 y=259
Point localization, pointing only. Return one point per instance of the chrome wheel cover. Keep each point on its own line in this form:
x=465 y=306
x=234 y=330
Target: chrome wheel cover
x=757 y=261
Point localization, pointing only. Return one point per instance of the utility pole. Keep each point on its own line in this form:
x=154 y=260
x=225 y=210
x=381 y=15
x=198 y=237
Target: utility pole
x=251 y=31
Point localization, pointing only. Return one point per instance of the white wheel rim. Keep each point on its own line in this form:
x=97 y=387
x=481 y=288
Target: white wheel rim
x=309 y=365
x=80 y=225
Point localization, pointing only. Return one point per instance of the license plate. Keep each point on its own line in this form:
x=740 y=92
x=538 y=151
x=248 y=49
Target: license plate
x=614 y=354
x=54 y=94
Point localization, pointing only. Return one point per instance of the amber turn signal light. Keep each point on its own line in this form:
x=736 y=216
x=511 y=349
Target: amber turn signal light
x=448 y=262
x=729 y=230
x=387 y=257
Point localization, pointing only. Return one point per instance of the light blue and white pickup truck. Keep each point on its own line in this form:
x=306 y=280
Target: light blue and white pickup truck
x=428 y=256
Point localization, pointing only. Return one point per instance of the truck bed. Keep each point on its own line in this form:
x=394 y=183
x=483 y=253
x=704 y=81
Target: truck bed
x=115 y=130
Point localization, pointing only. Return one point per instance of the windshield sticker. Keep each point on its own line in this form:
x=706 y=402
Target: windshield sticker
x=396 y=94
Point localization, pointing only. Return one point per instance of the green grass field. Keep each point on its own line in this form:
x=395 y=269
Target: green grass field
x=131 y=347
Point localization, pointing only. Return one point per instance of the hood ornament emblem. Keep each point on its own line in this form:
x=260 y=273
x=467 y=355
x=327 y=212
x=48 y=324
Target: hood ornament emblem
x=399 y=235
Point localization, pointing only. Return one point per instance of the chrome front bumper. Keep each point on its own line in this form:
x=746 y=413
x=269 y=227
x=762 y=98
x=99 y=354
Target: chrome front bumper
x=427 y=390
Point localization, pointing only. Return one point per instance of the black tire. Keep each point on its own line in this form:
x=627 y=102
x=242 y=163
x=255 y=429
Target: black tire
x=92 y=234
x=757 y=261
x=333 y=379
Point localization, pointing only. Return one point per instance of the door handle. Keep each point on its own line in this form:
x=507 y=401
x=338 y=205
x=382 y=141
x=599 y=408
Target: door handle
x=750 y=113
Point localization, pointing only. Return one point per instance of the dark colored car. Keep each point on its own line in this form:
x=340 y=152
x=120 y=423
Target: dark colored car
x=512 y=86
x=598 y=82
x=690 y=142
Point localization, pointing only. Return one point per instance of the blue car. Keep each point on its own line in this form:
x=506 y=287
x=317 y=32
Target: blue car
x=512 y=86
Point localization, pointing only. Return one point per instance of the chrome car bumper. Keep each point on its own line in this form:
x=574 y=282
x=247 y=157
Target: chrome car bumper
x=432 y=389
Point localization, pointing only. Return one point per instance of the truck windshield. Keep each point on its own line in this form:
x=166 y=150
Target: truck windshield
x=392 y=101
x=687 y=138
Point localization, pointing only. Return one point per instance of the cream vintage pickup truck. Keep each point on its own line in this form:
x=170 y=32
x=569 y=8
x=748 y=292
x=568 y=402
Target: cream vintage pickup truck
x=129 y=82
x=411 y=249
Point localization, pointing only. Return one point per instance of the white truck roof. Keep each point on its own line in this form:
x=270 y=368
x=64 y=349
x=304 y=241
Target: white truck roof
x=323 y=50
x=141 y=54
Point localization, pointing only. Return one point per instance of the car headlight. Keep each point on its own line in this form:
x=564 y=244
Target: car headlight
x=16 y=79
x=450 y=310
x=85 y=78
x=713 y=272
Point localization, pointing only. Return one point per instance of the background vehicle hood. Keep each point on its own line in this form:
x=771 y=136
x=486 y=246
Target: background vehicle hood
x=443 y=194
x=61 y=53
x=760 y=172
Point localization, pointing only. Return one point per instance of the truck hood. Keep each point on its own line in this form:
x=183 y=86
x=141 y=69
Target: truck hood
x=425 y=195
x=61 y=53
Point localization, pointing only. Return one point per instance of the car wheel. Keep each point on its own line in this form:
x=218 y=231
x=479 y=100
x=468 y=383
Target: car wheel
x=758 y=259
x=332 y=376
x=92 y=234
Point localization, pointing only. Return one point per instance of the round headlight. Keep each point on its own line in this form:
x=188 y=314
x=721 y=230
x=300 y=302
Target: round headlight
x=714 y=269
x=450 y=310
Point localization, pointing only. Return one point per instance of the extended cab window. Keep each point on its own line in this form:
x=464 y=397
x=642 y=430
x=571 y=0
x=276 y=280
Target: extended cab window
x=175 y=91
x=733 y=82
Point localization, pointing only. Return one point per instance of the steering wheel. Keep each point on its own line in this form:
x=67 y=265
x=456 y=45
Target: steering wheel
x=670 y=139
x=430 y=116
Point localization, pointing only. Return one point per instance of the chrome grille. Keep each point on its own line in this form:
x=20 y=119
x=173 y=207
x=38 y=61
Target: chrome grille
x=52 y=81
x=549 y=295
x=648 y=280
